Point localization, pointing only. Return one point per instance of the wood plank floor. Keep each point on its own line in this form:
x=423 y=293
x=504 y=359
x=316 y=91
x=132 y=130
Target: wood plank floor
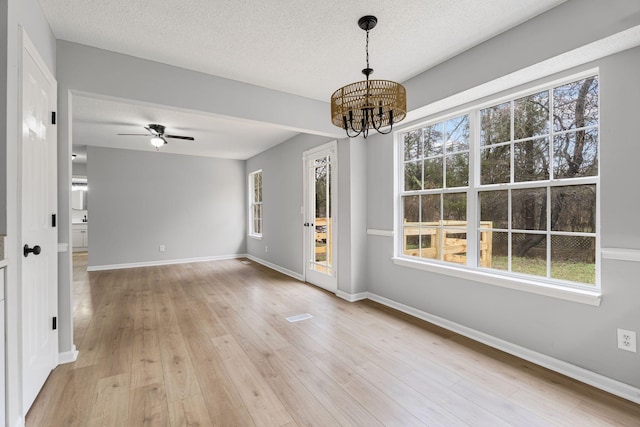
x=207 y=344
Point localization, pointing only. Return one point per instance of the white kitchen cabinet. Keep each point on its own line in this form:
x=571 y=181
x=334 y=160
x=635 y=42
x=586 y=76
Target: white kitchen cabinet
x=80 y=237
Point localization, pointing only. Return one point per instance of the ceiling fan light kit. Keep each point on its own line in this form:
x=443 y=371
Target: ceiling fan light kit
x=368 y=104
x=158 y=137
x=157 y=142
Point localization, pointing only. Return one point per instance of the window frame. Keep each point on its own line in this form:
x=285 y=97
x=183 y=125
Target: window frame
x=573 y=291
x=252 y=203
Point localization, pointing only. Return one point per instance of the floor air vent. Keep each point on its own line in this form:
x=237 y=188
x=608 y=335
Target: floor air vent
x=299 y=317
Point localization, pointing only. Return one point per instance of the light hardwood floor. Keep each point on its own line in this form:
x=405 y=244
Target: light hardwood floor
x=207 y=344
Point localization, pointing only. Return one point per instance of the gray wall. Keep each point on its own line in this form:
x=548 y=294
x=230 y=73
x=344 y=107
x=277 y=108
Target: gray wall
x=282 y=180
x=579 y=334
x=582 y=335
x=195 y=206
x=79 y=169
x=282 y=193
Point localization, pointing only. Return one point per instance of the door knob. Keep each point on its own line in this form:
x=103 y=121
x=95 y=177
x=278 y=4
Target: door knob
x=27 y=250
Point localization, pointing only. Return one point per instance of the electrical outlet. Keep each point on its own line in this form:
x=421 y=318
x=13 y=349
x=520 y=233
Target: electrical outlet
x=161 y=248
x=266 y=248
x=627 y=340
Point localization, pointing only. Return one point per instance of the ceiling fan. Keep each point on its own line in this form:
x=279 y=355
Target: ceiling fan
x=156 y=132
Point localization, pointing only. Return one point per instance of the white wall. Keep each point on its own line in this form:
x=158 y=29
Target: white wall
x=195 y=206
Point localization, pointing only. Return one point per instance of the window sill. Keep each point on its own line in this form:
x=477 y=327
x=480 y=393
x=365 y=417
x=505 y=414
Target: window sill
x=582 y=296
x=256 y=236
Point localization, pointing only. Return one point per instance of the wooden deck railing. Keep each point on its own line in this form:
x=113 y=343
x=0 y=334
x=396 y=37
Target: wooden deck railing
x=453 y=249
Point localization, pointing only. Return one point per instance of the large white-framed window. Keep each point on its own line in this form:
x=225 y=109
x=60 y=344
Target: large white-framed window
x=509 y=188
x=255 y=204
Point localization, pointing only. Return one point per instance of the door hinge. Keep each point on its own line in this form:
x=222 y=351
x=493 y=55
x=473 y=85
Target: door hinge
x=53 y=220
x=55 y=323
x=53 y=117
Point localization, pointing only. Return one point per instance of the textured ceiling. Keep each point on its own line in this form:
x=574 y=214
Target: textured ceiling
x=306 y=48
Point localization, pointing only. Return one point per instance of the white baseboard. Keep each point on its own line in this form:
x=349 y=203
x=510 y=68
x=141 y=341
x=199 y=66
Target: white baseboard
x=277 y=268
x=19 y=422
x=68 y=356
x=352 y=297
x=162 y=262
x=583 y=375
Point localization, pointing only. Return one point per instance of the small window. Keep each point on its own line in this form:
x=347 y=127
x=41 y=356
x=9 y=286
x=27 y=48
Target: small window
x=255 y=204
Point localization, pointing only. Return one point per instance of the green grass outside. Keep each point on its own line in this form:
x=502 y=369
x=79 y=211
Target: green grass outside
x=572 y=271
x=580 y=272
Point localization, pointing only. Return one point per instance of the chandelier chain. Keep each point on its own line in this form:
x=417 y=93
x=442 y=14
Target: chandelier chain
x=367 y=50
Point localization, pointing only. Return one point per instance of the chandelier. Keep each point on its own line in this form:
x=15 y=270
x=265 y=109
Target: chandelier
x=368 y=104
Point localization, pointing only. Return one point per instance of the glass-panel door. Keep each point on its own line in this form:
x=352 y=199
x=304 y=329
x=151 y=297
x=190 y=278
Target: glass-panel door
x=320 y=218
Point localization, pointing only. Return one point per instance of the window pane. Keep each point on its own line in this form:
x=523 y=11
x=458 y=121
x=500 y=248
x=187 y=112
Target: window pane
x=431 y=209
x=457 y=131
x=573 y=208
x=454 y=247
x=429 y=238
x=529 y=254
x=494 y=250
x=495 y=123
x=413 y=176
x=495 y=165
x=573 y=258
x=413 y=145
x=494 y=209
x=257 y=186
x=411 y=226
x=433 y=173
x=529 y=209
x=458 y=170
x=531 y=115
x=531 y=160
x=454 y=208
x=575 y=154
x=575 y=105
x=411 y=208
x=257 y=219
x=433 y=139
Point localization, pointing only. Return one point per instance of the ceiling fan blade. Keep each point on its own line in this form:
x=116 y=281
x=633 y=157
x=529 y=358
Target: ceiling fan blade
x=188 y=138
x=152 y=131
x=136 y=134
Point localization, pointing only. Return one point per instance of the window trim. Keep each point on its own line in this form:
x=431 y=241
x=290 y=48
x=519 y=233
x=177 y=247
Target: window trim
x=252 y=202
x=586 y=294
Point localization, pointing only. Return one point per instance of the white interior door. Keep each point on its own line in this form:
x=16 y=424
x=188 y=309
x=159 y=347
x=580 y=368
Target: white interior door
x=39 y=236
x=321 y=223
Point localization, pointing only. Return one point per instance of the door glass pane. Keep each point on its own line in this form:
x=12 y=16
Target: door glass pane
x=322 y=221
